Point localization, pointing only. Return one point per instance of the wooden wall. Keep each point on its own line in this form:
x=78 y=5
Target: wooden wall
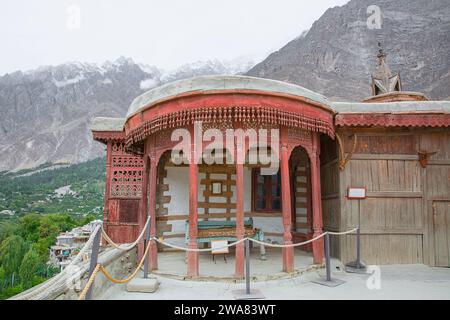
x=329 y=177
x=397 y=217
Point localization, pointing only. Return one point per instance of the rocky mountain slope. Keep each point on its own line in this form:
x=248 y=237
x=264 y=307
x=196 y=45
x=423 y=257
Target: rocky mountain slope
x=45 y=114
x=337 y=55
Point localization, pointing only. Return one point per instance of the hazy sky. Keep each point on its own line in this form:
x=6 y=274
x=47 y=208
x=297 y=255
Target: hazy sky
x=165 y=33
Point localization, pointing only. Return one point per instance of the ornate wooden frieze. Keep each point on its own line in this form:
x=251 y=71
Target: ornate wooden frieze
x=393 y=119
x=244 y=115
x=105 y=136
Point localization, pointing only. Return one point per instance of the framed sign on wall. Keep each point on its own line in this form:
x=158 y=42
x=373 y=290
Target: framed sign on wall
x=356 y=193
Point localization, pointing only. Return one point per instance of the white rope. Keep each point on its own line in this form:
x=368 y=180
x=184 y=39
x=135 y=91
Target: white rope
x=126 y=247
x=60 y=280
x=257 y=241
x=288 y=245
x=342 y=233
x=198 y=250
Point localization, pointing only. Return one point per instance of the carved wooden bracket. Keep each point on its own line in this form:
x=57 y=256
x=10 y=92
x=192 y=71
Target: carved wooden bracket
x=424 y=156
x=344 y=159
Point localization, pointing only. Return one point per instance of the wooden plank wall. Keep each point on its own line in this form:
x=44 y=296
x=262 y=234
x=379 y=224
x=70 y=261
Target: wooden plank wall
x=396 y=218
x=329 y=176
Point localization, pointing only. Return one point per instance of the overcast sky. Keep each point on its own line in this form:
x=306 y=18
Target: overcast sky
x=165 y=33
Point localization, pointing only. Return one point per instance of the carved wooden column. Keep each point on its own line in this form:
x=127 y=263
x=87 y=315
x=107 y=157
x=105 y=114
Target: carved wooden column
x=192 y=268
x=107 y=185
x=143 y=211
x=240 y=231
x=317 y=246
x=153 y=251
x=288 y=253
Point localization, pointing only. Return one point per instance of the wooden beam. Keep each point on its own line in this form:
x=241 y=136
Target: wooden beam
x=394 y=194
x=361 y=156
x=175 y=217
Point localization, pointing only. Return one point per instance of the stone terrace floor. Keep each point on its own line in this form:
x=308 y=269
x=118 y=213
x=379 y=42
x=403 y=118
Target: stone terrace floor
x=397 y=282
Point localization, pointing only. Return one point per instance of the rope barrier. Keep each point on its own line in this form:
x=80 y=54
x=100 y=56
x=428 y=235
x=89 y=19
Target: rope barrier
x=121 y=281
x=89 y=283
x=103 y=270
x=342 y=233
x=198 y=250
x=288 y=245
x=55 y=282
x=256 y=241
x=126 y=247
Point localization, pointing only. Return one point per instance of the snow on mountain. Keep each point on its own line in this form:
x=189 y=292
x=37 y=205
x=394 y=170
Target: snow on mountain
x=45 y=114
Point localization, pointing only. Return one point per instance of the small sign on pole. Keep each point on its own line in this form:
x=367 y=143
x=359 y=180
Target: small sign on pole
x=219 y=246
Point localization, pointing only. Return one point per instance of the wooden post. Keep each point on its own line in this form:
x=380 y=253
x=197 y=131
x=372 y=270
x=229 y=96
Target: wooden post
x=107 y=185
x=288 y=253
x=192 y=267
x=153 y=251
x=317 y=246
x=143 y=212
x=239 y=272
x=94 y=260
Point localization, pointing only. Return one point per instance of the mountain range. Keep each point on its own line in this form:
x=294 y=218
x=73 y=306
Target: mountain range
x=45 y=113
x=338 y=53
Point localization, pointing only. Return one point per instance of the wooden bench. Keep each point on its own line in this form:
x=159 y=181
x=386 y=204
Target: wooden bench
x=211 y=230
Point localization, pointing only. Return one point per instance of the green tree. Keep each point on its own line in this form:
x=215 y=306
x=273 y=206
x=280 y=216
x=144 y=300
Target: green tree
x=7 y=229
x=29 y=267
x=12 y=251
x=29 y=226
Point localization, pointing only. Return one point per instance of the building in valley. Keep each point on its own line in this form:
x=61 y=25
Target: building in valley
x=392 y=150
x=69 y=243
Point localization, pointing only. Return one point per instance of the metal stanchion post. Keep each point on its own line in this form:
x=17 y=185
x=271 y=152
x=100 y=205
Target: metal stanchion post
x=247 y=267
x=357 y=266
x=358 y=249
x=94 y=260
x=328 y=281
x=145 y=284
x=327 y=256
x=247 y=293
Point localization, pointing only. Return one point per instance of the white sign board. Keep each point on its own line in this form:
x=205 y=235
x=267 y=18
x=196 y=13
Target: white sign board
x=356 y=193
x=219 y=246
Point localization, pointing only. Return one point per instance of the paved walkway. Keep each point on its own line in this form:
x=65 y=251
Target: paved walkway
x=397 y=282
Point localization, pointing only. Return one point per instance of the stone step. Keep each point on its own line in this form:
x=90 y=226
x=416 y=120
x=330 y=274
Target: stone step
x=148 y=285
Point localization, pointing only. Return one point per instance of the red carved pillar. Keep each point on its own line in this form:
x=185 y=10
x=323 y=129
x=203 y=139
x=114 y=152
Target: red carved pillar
x=317 y=246
x=107 y=185
x=192 y=268
x=239 y=271
x=143 y=212
x=288 y=253
x=153 y=251
x=239 y=158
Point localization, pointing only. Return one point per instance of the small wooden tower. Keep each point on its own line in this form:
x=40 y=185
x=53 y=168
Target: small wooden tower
x=387 y=87
x=383 y=81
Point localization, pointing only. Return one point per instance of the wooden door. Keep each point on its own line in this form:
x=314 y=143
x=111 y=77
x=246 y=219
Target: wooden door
x=441 y=220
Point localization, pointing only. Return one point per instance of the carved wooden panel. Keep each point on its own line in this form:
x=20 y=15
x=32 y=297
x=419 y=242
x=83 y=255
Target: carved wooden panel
x=385 y=144
x=126 y=173
x=299 y=137
x=128 y=210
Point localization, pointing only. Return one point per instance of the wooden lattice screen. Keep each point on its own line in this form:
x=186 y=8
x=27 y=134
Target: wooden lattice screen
x=126 y=173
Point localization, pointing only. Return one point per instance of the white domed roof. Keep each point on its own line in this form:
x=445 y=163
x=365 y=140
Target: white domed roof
x=212 y=83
